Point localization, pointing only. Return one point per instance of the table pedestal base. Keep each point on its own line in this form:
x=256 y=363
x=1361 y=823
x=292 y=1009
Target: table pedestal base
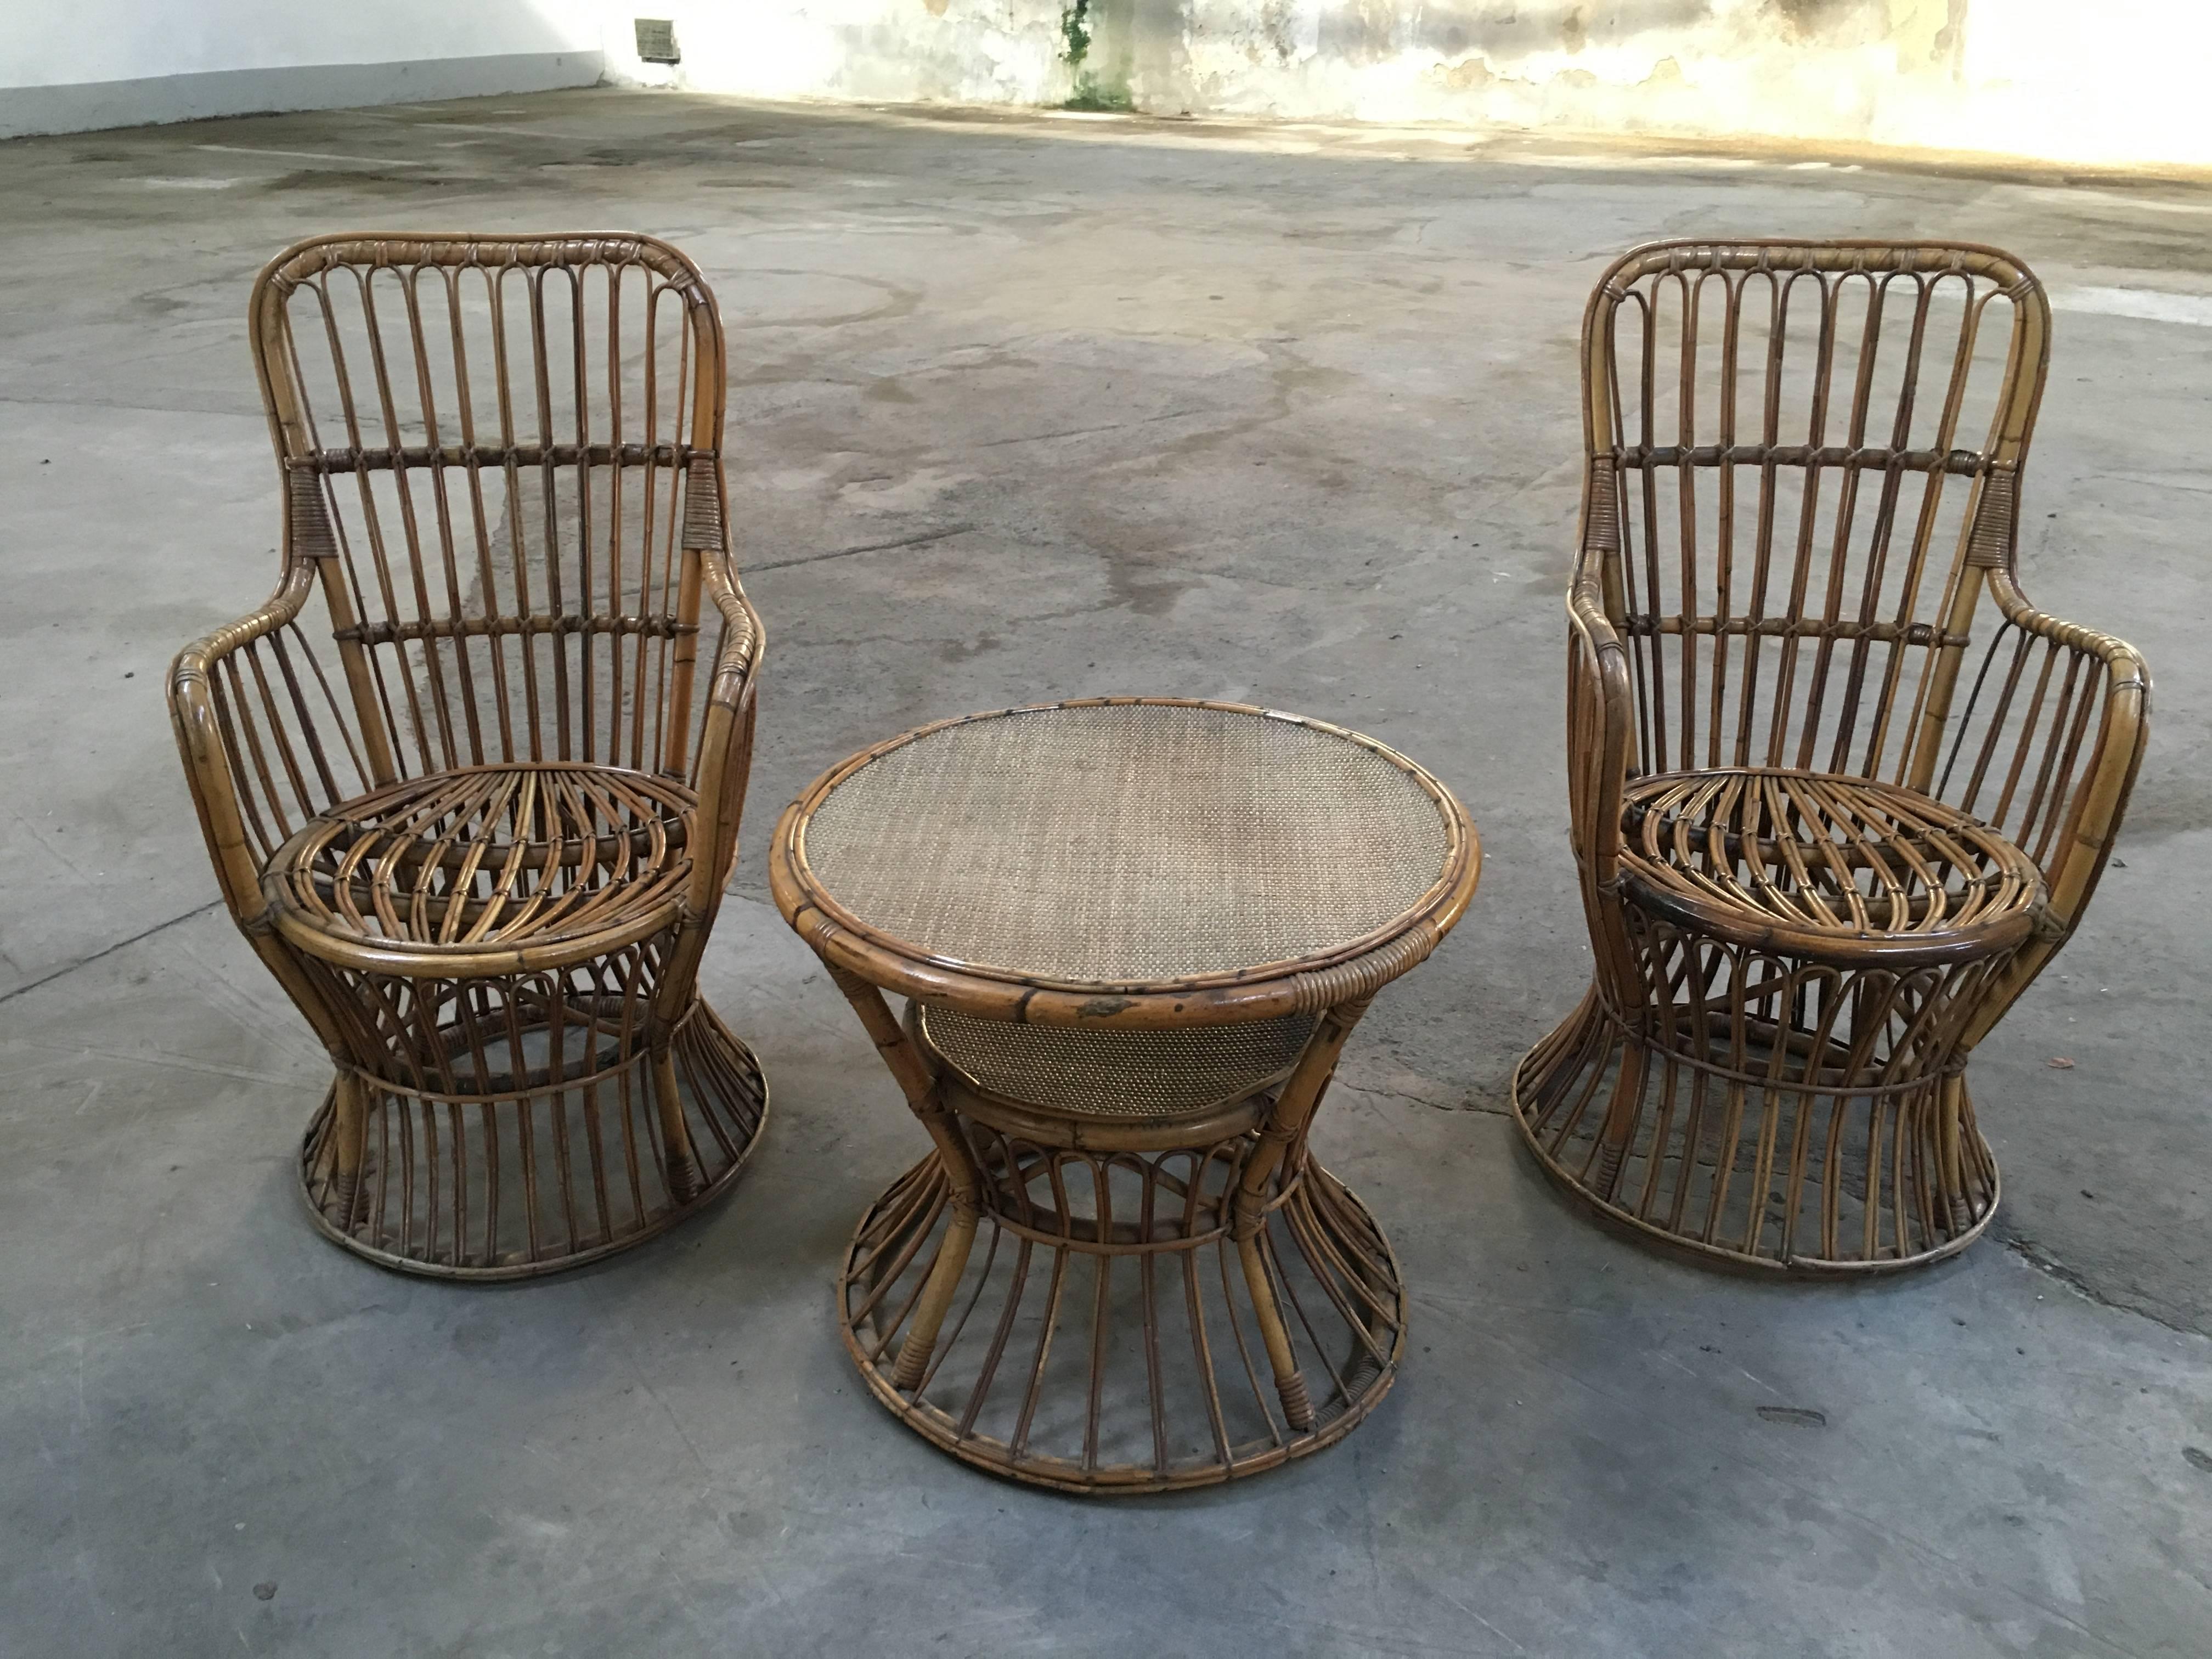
x=1104 y=1336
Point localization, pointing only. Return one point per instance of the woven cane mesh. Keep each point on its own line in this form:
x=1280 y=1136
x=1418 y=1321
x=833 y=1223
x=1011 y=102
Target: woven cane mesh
x=1127 y=842
x=1113 y=1073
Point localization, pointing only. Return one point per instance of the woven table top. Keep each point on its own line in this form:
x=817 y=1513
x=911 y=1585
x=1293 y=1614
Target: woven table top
x=1130 y=842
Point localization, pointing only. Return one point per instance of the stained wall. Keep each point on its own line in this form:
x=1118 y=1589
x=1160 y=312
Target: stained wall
x=2112 y=82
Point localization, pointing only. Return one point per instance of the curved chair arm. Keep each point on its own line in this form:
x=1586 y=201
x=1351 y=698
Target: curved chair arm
x=2082 y=819
x=1599 y=704
x=1600 y=698
x=1600 y=717
x=199 y=723
x=725 y=743
x=2075 y=782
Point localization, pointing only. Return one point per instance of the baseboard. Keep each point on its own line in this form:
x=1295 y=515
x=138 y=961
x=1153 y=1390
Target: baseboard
x=92 y=104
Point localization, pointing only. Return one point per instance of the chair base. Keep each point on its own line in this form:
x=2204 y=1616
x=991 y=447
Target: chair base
x=1137 y=1366
x=1797 y=1167
x=516 y=1187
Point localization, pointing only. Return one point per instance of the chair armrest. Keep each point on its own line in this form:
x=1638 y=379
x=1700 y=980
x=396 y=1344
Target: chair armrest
x=2078 y=784
x=1601 y=717
x=726 y=744
x=2119 y=654
x=734 y=665
x=197 y=722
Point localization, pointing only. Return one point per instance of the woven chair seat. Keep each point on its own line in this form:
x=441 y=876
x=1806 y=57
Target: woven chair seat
x=1753 y=851
x=1129 y=844
x=489 y=856
x=1131 y=1075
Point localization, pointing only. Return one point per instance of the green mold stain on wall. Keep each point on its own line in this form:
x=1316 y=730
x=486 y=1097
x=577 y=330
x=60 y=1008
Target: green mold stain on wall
x=1092 y=92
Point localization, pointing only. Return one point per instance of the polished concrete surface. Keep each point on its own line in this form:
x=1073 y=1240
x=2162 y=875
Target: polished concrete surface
x=1021 y=409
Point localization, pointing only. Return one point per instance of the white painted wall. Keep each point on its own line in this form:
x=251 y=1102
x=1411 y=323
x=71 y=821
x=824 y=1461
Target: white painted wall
x=2086 y=80
x=59 y=42
x=2095 y=81
x=968 y=51
x=107 y=62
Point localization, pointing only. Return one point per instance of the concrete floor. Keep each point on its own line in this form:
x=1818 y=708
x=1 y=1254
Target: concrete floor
x=1027 y=408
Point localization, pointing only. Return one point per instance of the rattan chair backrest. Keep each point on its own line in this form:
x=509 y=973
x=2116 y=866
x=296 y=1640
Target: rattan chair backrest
x=1802 y=456
x=501 y=456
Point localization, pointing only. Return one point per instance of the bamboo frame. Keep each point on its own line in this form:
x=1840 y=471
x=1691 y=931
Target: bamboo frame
x=1115 y=1304
x=483 y=857
x=1769 y=1071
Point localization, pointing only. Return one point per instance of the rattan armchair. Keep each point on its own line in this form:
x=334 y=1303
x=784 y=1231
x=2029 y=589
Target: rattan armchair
x=1839 y=791
x=470 y=789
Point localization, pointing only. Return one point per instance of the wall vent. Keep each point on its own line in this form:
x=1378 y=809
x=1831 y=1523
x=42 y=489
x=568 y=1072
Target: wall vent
x=656 y=40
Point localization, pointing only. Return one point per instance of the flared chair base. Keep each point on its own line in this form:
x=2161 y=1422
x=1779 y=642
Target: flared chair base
x=505 y=1186
x=1771 y=1168
x=1137 y=1367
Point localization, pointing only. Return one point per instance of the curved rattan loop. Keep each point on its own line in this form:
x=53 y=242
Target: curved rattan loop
x=1830 y=818
x=468 y=787
x=1782 y=859
x=565 y=862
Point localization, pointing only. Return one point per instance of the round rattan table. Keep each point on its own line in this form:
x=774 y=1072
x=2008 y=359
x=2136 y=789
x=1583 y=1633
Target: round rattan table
x=1133 y=934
